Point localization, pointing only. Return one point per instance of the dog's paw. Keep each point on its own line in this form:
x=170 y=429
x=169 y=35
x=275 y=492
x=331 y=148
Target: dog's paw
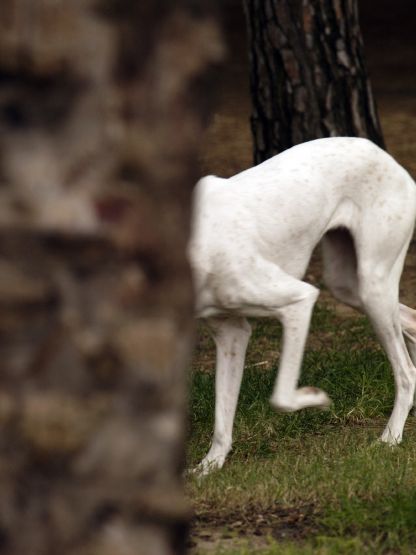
x=313 y=397
x=390 y=438
x=206 y=466
x=304 y=397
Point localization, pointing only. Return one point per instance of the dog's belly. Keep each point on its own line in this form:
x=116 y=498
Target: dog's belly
x=291 y=246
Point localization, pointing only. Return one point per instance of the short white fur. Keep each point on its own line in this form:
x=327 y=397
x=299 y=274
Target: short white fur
x=253 y=235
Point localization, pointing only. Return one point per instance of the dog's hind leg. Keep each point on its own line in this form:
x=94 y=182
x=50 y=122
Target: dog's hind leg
x=231 y=336
x=408 y=323
x=379 y=296
x=376 y=296
x=386 y=321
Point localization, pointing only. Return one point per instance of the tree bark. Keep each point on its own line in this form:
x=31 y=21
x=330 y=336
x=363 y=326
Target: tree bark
x=99 y=124
x=308 y=74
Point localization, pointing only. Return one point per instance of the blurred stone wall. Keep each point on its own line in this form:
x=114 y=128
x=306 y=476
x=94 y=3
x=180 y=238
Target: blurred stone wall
x=101 y=109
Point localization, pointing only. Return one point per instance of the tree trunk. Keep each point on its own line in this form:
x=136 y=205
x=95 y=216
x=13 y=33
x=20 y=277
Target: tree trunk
x=99 y=122
x=308 y=74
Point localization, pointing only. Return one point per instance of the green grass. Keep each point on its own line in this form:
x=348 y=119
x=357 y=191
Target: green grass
x=361 y=495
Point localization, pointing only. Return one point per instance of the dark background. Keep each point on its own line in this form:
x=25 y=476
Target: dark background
x=388 y=29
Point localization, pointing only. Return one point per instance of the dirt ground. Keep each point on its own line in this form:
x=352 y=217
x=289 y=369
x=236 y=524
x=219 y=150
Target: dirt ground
x=281 y=524
x=391 y=57
x=227 y=149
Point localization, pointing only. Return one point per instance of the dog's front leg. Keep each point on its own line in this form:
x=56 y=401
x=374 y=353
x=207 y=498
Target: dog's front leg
x=295 y=319
x=231 y=337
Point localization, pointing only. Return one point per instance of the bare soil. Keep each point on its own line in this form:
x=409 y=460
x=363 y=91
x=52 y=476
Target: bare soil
x=280 y=523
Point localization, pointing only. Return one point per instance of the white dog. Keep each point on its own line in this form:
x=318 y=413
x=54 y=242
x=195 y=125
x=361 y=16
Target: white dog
x=253 y=235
